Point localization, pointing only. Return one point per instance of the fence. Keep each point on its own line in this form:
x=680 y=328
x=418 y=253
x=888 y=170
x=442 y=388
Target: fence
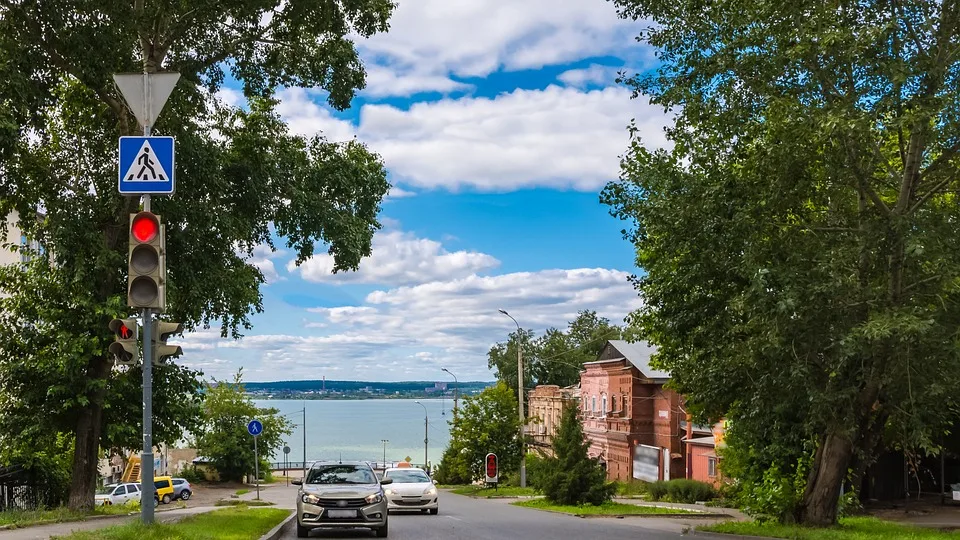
x=20 y=490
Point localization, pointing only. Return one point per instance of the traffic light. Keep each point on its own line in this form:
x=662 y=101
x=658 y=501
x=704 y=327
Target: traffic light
x=491 y=468
x=146 y=262
x=125 y=348
x=162 y=331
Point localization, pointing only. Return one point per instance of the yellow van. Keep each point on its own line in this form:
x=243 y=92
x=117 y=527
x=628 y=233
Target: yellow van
x=164 y=487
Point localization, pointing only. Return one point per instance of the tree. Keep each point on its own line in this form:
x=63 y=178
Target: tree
x=555 y=357
x=798 y=239
x=570 y=476
x=242 y=178
x=484 y=423
x=224 y=437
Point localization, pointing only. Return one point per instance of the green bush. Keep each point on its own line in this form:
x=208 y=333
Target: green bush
x=453 y=469
x=536 y=469
x=192 y=475
x=775 y=498
x=682 y=490
x=657 y=490
x=632 y=487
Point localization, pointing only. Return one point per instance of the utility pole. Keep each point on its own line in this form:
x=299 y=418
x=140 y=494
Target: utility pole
x=523 y=450
x=456 y=384
x=384 y=441
x=304 y=479
x=425 y=438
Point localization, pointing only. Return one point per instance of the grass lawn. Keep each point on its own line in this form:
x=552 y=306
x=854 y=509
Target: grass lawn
x=606 y=509
x=239 y=523
x=23 y=518
x=238 y=502
x=242 y=491
x=484 y=491
x=856 y=528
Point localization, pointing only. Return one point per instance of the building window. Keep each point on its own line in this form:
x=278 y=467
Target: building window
x=603 y=412
x=712 y=467
x=625 y=411
x=594 y=405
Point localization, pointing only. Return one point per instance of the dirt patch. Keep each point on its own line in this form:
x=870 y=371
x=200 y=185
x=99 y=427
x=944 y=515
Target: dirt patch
x=207 y=494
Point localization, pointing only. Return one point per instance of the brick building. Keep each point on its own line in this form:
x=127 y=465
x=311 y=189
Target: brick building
x=703 y=462
x=631 y=421
x=545 y=404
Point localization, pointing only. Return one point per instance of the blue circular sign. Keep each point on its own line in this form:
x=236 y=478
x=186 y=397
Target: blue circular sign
x=255 y=427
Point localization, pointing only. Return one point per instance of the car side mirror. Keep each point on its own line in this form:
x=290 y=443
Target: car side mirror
x=386 y=481
x=297 y=482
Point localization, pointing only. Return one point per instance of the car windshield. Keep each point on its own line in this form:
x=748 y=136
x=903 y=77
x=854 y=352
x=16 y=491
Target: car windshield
x=341 y=474
x=105 y=490
x=408 y=477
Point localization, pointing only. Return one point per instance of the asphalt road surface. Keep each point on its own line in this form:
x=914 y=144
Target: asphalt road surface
x=463 y=518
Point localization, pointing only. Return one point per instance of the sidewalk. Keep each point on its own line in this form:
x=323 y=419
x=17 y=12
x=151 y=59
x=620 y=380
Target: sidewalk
x=46 y=531
x=278 y=493
x=732 y=512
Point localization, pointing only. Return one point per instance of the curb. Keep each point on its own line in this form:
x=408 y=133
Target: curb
x=278 y=531
x=727 y=536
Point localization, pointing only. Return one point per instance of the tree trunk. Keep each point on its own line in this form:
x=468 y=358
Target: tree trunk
x=822 y=495
x=86 y=451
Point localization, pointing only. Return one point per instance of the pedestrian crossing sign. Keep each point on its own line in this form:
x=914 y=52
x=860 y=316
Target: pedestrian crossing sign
x=146 y=165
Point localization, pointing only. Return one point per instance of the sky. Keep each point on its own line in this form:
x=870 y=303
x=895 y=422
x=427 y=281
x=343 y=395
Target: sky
x=499 y=123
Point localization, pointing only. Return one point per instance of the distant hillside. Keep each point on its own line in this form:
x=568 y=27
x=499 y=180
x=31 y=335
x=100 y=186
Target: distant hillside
x=354 y=386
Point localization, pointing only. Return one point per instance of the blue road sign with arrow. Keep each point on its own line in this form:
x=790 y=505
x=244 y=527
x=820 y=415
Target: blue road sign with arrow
x=255 y=427
x=146 y=165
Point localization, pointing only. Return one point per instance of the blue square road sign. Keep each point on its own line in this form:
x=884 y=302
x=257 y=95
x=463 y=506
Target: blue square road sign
x=146 y=165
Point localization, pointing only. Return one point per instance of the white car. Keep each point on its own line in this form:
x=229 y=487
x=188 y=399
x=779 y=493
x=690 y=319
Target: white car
x=411 y=489
x=117 y=494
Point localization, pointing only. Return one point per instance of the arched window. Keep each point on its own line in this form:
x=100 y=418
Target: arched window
x=603 y=412
x=594 y=405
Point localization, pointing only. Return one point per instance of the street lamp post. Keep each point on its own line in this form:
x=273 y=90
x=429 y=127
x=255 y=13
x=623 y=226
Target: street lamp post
x=523 y=452
x=425 y=438
x=384 y=441
x=456 y=384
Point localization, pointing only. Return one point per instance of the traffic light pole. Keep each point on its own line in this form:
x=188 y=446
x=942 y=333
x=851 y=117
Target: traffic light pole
x=146 y=458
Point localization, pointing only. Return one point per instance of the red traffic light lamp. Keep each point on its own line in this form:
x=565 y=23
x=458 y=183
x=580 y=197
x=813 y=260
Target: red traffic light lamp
x=125 y=347
x=145 y=226
x=491 y=469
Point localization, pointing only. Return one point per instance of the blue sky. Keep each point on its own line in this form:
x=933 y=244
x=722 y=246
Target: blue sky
x=499 y=123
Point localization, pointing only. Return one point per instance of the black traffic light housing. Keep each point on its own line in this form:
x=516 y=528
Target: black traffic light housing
x=146 y=262
x=161 y=331
x=125 y=347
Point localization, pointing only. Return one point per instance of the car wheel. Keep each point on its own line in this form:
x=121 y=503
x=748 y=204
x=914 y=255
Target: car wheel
x=156 y=502
x=434 y=511
x=166 y=499
x=302 y=532
x=382 y=531
x=185 y=495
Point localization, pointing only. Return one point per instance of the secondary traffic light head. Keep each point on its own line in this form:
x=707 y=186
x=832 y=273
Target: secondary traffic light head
x=146 y=266
x=125 y=348
x=162 y=331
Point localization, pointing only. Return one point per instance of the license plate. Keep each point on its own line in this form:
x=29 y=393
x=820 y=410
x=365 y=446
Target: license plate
x=342 y=513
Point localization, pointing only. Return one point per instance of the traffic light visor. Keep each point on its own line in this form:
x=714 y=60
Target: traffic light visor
x=145 y=227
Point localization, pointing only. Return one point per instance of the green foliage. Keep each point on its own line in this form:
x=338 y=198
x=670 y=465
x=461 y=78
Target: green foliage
x=774 y=497
x=571 y=477
x=555 y=357
x=632 y=488
x=859 y=528
x=537 y=467
x=607 y=508
x=243 y=180
x=657 y=490
x=798 y=237
x=225 y=440
x=192 y=474
x=484 y=423
x=682 y=490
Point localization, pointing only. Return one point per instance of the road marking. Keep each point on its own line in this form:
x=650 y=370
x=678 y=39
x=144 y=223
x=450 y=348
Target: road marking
x=456 y=518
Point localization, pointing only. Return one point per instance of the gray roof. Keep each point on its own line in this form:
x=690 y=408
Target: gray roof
x=638 y=354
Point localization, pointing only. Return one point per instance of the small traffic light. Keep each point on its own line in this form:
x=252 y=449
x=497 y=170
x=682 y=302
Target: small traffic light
x=491 y=468
x=125 y=348
x=146 y=262
x=162 y=331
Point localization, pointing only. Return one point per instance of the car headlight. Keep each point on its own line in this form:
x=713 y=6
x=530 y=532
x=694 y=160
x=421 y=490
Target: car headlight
x=310 y=498
x=375 y=498
x=430 y=491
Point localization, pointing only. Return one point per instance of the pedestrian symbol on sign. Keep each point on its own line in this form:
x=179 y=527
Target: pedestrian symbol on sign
x=146 y=168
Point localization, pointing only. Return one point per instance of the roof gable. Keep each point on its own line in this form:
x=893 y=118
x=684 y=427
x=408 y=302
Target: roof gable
x=637 y=354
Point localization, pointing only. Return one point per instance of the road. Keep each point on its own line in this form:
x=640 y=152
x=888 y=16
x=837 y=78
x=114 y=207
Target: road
x=463 y=518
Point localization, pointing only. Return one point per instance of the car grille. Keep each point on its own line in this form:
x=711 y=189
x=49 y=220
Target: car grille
x=335 y=503
x=410 y=502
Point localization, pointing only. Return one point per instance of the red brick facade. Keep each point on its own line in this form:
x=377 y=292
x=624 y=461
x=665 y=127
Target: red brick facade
x=627 y=414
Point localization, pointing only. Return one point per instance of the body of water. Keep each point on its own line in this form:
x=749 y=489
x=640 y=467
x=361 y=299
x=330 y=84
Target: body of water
x=354 y=428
